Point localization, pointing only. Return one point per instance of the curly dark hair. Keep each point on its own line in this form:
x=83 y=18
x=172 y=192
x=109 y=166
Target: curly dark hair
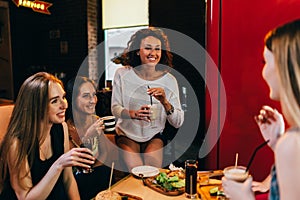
x=130 y=57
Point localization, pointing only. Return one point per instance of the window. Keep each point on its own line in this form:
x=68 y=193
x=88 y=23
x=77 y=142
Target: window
x=115 y=42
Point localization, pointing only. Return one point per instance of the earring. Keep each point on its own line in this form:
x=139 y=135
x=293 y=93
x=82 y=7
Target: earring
x=138 y=53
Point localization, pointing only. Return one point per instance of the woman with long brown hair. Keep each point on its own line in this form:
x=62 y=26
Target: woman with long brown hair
x=84 y=125
x=35 y=158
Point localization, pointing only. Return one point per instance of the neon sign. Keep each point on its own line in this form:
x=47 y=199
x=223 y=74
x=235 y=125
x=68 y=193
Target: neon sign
x=36 y=6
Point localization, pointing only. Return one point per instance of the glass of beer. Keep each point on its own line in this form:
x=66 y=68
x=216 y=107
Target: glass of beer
x=191 y=167
x=87 y=143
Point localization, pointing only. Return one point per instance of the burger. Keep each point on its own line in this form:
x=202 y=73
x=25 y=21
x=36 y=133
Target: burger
x=108 y=194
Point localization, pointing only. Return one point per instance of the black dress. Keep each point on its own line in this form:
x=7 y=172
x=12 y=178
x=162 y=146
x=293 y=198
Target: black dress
x=39 y=167
x=89 y=185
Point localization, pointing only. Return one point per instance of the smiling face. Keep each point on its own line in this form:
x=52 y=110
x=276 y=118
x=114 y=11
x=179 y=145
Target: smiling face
x=57 y=103
x=150 y=51
x=270 y=74
x=86 y=99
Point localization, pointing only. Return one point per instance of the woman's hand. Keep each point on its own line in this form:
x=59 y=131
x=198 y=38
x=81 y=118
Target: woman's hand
x=95 y=129
x=236 y=190
x=263 y=186
x=81 y=157
x=142 y=114
x=259 y=187
x=158 y=93
x=271 y=124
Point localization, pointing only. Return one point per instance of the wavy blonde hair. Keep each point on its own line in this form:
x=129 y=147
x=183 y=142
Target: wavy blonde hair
x=284 y=43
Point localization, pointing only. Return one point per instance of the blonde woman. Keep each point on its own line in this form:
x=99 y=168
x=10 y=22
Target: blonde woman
x=282 y=74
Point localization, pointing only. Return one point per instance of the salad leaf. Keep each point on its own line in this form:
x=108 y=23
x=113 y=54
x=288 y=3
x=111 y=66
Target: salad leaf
x=161 y=178
x=169 y=183
x=179 y=184
x=173 y=179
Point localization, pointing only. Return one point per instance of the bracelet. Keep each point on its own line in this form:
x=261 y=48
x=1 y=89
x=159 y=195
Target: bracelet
x=170 y=112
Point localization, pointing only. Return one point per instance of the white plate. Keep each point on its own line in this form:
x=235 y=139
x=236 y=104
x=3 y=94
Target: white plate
x=145 y=170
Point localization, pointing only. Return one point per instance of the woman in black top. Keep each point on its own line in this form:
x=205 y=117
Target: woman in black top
x=35 y=161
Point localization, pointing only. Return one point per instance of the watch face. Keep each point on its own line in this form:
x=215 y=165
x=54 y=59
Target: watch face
x=171 y=110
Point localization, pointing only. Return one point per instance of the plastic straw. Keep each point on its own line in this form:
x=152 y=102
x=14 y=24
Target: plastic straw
x=111 y=173
x=236 y=159
x=150 y=97
x=252 y=157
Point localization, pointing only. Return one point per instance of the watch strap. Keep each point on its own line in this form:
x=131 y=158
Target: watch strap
x=169 y=112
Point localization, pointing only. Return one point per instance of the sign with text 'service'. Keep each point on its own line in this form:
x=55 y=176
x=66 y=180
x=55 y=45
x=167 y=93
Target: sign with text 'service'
x=37 y=6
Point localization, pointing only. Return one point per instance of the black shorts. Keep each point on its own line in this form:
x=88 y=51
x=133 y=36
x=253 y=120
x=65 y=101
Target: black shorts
x=158 y=135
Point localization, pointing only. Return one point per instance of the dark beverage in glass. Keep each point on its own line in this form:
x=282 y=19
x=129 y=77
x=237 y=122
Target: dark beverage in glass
x=191 y=179
x=86 y=143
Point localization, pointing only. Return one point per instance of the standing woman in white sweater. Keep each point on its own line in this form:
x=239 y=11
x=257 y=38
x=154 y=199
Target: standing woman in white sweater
x=143 y=80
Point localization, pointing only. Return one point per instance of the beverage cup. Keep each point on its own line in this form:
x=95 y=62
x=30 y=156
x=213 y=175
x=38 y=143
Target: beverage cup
x=236 y=173
x=154 y=112
x=191 y=179
x=109 y=123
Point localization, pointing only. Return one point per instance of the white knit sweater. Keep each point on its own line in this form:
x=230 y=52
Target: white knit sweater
x=130 y=92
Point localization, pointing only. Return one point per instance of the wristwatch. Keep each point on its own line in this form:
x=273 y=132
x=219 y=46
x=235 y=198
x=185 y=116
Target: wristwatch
x=170 y=112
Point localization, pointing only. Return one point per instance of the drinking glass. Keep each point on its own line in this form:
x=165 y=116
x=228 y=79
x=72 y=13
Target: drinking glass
x=236 y=173
x=154 y=109
x=87 y=143
x=191 y=179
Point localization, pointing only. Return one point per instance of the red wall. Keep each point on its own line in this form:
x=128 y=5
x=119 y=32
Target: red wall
x=235 y=42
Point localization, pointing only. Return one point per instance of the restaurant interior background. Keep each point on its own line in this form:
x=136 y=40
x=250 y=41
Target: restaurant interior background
x=232 y=32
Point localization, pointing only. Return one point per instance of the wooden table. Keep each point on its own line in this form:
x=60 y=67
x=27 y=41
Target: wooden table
x=134 y=186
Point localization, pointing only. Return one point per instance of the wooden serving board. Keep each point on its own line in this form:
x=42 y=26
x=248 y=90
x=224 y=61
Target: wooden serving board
x=149 y=182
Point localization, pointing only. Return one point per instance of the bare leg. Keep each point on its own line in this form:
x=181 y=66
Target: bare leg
x=131 y=152
x=154 y=153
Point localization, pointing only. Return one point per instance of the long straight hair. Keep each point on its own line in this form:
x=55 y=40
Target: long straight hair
x=26 y=125
x=284 y=43
x=73 y=87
